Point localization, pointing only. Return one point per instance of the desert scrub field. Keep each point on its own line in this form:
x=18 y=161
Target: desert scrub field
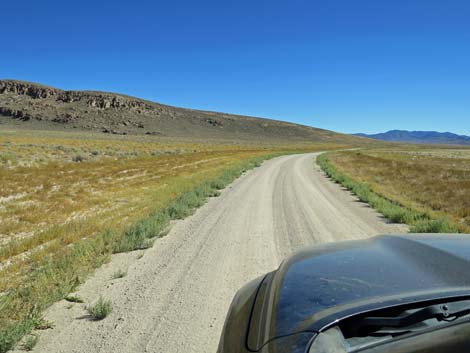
x=431 y=186
x=34 y=148
x=68 y=201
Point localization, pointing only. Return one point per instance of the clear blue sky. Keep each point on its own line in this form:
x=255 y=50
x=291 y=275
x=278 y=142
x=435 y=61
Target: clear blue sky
x=344 y=65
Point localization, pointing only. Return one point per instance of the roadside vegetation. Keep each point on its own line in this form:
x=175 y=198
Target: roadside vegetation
x=73 y=299
x=100 y=309
x=30 y=342
x=424 y=187
x=62 y=216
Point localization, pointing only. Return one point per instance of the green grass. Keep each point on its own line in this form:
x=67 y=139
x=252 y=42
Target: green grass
x=17 y=330
x=419 y=222
x=30 y=342
x=100 y=309
x=73 y=299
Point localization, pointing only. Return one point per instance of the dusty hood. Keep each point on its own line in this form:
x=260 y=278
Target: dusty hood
x=317 y=287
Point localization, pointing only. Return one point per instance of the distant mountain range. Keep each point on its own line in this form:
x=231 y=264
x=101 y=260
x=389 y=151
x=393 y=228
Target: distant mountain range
x=427 y=137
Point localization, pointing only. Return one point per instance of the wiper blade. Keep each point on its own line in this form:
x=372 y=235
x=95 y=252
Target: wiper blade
x=441 y=312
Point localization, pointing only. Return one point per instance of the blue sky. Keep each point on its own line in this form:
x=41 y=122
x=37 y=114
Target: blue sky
x=344 y=65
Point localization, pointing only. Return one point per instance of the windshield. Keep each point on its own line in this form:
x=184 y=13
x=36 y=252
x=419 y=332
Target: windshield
x=430 y=325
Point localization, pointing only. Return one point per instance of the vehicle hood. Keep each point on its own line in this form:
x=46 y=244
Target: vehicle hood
x=318 y=287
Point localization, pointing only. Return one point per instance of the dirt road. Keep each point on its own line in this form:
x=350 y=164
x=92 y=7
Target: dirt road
x=175 y=297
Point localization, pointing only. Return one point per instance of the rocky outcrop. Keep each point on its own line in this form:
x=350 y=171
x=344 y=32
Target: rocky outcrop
x=112 y=131
x=16 y=114
x=214 y=122
x=92 y=99
x=25 y=88
x=65 y=118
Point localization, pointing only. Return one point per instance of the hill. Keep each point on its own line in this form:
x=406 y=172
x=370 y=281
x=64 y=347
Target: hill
x=35 y=106
x=425 y=137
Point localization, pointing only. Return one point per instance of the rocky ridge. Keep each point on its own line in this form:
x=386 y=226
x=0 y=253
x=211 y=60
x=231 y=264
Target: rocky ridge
x=31 y=105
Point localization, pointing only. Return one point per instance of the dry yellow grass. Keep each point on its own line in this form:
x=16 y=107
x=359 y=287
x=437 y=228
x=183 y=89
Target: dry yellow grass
x=48 y=205
x=433 y=180
x=65 y=197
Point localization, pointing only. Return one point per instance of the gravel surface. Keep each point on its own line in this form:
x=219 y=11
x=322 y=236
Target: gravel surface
x=176 y=295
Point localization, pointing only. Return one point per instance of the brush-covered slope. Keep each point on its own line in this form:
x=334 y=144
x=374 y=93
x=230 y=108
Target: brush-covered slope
x=32 y=105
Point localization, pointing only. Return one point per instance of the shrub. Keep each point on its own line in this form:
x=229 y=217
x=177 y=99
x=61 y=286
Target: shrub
x=78 y=158
x=119 y=274
x=30 y=342
x=100 y=309
x=8 y=158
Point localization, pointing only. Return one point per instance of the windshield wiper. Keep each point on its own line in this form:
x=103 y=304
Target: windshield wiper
x=440 y=312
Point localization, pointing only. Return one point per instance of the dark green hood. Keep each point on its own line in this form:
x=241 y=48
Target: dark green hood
x=318 y=287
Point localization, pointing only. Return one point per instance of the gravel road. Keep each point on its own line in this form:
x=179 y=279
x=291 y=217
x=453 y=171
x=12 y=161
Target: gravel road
x=176 y=294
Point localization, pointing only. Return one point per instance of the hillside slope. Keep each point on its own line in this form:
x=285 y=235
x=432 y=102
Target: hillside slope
x=427 y=137
x=32 y=105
